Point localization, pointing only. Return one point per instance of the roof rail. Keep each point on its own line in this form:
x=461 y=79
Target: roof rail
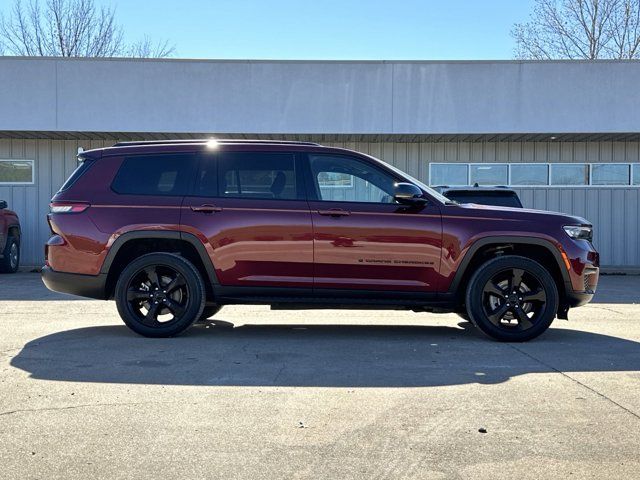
x=205 y=140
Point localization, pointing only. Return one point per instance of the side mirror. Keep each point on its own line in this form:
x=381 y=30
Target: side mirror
x=408 y=194
x=3 y=204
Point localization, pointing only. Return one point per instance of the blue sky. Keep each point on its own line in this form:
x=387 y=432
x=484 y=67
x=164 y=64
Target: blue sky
x=327 y=29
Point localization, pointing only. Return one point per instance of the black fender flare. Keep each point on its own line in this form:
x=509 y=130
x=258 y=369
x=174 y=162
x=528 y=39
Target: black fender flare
x=161 y=234
x=520 y=240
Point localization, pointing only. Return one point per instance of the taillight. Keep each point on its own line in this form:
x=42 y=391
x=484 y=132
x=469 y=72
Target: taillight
x=68 y=207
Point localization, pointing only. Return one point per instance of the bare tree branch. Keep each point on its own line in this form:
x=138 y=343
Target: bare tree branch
x=70 y=28
x=580 y=29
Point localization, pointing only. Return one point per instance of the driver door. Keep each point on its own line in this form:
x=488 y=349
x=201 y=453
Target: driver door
x=362 y=238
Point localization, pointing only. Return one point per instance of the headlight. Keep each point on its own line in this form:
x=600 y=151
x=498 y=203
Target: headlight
x=579 y=232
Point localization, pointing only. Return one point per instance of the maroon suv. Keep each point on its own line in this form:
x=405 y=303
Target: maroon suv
x=173 y=230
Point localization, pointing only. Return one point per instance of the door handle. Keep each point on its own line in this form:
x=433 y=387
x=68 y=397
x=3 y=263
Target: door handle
x=334 y=212
x=207 y=208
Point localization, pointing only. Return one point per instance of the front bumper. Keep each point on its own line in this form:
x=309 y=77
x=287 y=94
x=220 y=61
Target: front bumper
x=92 y=286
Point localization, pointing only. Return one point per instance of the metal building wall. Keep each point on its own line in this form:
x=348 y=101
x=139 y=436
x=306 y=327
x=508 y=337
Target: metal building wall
x=54 y=162
x=615 y=212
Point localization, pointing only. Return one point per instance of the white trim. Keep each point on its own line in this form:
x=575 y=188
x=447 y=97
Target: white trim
x=21 y=160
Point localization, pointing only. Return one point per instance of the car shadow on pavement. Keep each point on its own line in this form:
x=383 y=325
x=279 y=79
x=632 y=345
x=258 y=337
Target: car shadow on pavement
x=316 y=356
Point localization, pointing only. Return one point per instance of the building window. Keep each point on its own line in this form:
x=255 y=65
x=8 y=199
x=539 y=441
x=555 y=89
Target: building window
x=529 y=174
x=636 y=173
x=16 y=172
x=536 y=174
x=449 y=174
x=489 y=174
x=610 y=174
x=569 y=174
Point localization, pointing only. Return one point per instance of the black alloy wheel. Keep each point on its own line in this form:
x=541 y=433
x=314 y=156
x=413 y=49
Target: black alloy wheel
x=512 y=298
x=160 y=295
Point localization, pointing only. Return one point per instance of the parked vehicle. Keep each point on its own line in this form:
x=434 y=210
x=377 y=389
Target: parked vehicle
x=497 y=196
x=174 y=230
x=9 y=239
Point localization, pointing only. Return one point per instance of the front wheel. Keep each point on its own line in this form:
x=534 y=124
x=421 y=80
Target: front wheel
x=512 y=298
x=160 y=295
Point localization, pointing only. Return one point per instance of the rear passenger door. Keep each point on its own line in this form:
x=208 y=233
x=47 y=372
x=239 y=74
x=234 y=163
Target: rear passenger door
x=250 y=210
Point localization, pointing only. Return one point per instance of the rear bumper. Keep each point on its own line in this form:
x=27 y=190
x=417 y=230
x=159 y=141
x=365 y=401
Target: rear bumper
x=92 y=286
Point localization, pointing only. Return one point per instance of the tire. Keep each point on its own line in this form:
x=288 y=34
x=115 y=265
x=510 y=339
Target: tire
x=160 y=285
x=504 y=316
x=209 y=312
x=10 y=260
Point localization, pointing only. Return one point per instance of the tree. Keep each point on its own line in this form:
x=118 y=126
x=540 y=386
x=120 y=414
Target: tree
x=580 y=29
x=70 y=28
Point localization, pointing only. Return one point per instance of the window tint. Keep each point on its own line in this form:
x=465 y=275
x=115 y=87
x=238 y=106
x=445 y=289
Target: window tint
x=609 y=174
x=449 y=174
x=83 y=166
x=154 y=175
x=569 y=174
x=346 y=179
x=529 y=174
x=489 y=174
x=206 y=184
x=257 y=175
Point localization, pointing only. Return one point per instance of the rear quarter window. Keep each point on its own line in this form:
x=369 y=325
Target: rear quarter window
x=164 y=175
x=83 y=165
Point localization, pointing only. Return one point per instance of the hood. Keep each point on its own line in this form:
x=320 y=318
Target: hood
x=512 y=212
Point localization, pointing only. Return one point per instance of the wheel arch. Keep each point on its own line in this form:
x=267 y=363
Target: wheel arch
x=14 y=229
x=485 y=248
x=130 y=244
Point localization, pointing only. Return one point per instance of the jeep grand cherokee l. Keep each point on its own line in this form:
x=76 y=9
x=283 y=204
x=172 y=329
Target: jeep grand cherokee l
x=174 y=230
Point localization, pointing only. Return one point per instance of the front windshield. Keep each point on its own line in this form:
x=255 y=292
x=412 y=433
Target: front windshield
x=417 y=182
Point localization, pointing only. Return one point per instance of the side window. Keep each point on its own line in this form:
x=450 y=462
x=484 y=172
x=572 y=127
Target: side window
x=346 y=179
x=257 y=175
x=206 y=184
x=166 y=175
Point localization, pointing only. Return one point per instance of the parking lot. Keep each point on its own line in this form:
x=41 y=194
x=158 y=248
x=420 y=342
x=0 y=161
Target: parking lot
x=323 y=394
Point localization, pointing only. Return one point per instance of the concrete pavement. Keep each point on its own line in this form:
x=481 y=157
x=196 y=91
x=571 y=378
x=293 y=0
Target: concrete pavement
x=320 y=394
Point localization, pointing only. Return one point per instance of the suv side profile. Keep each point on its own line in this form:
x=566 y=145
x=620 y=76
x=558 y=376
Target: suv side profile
x=174 y=230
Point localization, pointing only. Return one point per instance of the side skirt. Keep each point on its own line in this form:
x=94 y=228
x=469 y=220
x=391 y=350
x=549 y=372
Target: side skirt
x=306 y=298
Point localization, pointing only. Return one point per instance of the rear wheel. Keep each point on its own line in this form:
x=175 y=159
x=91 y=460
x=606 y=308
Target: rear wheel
x=10 y=260
x=512 y=299
x=160 y=295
